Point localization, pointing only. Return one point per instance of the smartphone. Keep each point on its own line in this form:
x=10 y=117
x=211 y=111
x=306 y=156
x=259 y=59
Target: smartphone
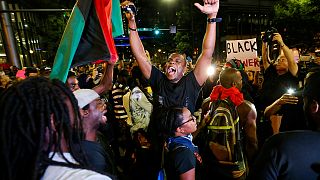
x=290 y=91
x=130 y=8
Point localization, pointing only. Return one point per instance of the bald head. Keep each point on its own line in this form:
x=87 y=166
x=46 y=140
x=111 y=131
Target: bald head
x=230 y=77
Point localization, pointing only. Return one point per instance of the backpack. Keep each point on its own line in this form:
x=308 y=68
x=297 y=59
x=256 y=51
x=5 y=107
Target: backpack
x=224 y=140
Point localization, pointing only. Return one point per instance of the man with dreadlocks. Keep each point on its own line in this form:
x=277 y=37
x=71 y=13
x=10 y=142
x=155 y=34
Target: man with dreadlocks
x=40 y=133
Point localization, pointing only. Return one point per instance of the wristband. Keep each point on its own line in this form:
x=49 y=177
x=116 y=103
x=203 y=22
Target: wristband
x=131 y=29
x=213 y=20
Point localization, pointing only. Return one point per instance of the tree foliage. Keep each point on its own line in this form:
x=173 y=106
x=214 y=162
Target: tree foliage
x=187 y=18
x=299 y=20
x=184 y=42
x=51 y=36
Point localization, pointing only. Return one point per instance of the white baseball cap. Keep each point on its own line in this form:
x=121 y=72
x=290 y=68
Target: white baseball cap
x=85 y=96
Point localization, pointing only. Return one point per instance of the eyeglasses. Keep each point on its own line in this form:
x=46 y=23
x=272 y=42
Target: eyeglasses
x=191 y=119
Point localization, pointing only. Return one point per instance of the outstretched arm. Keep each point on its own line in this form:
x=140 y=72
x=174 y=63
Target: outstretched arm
x=136 y=44
x=264 y=55
x=276 y=105
x=106 y=81
x=292 y=65
x=210 y=8
x=264 y=50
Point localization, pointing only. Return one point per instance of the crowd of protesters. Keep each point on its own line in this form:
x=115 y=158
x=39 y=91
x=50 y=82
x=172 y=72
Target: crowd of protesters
x=120 y=120
x=129 y=104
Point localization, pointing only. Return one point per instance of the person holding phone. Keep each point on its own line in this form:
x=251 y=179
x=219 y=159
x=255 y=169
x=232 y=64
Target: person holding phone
x=294 y=154
x=281 y=108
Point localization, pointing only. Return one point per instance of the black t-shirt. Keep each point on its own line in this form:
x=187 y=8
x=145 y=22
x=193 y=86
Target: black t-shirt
x=179 y=161
x=166 y=94
x=288 y=155
x=274 y=86
x=181 y=94
x=97 y=156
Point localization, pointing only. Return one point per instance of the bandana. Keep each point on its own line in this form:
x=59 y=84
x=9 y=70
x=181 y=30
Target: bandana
x=219 y=92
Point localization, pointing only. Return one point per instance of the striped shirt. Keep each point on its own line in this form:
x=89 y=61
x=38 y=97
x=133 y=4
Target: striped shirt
x=118 y=91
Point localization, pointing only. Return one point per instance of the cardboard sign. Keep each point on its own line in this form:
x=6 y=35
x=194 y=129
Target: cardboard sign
x=246 y=51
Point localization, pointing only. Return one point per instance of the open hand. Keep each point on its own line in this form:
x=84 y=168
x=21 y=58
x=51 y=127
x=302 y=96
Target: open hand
x=210 y=7
x=277 y=37
x=287 y=99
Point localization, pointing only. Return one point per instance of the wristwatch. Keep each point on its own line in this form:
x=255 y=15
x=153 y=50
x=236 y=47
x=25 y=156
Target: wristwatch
x=213 y=20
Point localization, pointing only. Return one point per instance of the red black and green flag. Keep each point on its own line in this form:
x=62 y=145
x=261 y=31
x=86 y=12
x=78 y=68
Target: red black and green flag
x=88 y=36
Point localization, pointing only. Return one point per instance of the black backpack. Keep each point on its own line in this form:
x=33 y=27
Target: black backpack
x=224 y=140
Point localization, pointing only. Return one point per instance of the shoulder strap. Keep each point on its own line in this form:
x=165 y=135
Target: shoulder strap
x=232 y=109
x=234 y=112
x=177 y=147
x=214 y=105
x=163 y=152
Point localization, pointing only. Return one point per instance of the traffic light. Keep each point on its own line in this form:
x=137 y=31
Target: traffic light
x=156 y=32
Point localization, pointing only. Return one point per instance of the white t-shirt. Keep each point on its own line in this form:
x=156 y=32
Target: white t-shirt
x=62 y=172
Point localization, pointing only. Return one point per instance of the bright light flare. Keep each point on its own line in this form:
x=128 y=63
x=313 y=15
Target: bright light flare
x=211 y=70
x=290 y=91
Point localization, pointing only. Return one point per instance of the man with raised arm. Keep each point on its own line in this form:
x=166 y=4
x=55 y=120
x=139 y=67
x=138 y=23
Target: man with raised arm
x=172 y=88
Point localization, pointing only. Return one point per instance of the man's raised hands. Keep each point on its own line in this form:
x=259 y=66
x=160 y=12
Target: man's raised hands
x=210 y=7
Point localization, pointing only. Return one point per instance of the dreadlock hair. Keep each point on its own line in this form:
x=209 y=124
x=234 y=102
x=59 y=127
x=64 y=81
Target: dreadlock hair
x=169 y=120
x=28 y=133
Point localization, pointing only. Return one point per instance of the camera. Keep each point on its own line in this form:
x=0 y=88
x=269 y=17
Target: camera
x=273 y=51
x=130 y=8
x=268 y=34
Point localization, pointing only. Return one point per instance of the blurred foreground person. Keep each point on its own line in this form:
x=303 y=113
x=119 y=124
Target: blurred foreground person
x=294 y=154
x=40 y=133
